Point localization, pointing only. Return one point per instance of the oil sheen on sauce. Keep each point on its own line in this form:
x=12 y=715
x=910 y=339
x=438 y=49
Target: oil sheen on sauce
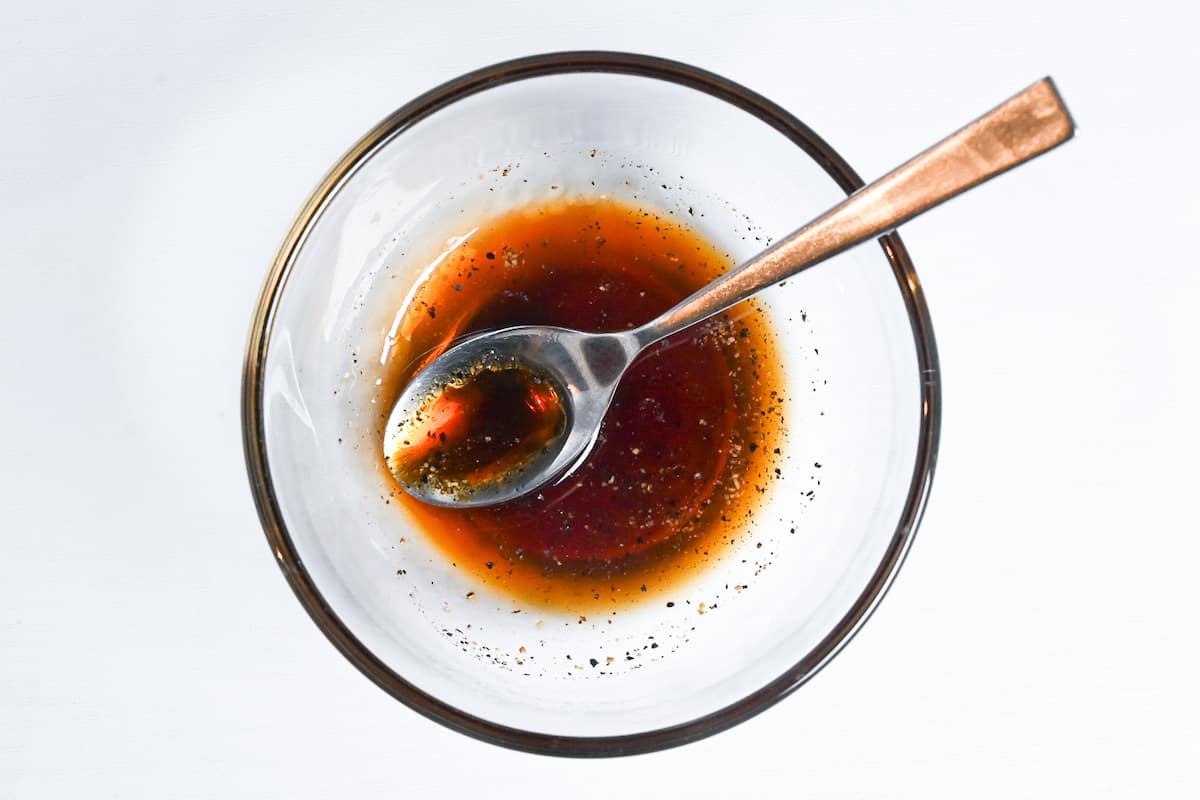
x=689 y=445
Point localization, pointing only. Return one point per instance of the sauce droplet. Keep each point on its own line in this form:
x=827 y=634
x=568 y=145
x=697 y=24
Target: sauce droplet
x=477 y=430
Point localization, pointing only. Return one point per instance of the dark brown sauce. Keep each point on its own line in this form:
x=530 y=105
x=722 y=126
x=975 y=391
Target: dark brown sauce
x=687 y=449
x=478 y=430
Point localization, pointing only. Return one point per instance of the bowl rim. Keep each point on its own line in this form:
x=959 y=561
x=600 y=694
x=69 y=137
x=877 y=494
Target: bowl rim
x=253 y=423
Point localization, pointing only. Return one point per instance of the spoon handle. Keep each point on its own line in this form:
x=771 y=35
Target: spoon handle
x=1025 y=126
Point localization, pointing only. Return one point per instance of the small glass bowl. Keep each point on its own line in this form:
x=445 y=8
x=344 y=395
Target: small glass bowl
x=862 y=412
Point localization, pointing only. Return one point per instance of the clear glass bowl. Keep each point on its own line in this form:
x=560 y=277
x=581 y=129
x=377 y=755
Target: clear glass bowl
x=861 y=376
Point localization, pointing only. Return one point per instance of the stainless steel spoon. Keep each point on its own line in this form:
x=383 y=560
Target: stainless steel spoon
x=586 y=367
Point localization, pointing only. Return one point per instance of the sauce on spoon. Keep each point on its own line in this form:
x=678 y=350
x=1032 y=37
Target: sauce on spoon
x=483 y=426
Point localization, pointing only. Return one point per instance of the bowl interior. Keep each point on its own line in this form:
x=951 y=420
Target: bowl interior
x=828 y=533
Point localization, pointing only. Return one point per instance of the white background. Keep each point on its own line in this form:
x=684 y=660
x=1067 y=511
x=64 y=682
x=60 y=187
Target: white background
x=1040 y=641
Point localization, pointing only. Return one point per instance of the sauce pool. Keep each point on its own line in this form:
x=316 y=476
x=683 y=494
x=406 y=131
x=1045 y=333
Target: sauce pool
x=687 y=449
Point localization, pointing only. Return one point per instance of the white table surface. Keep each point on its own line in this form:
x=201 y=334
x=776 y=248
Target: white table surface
x=1040 y=641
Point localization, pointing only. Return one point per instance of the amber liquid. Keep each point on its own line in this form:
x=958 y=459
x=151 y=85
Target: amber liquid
x=687 y=449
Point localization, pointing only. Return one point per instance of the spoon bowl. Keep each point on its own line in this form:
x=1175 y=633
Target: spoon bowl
x=583 y=368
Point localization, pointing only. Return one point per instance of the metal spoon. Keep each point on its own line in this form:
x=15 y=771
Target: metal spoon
x=586 y=367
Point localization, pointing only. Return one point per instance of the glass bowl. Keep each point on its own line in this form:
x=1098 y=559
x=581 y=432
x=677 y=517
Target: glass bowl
x=862 y=409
